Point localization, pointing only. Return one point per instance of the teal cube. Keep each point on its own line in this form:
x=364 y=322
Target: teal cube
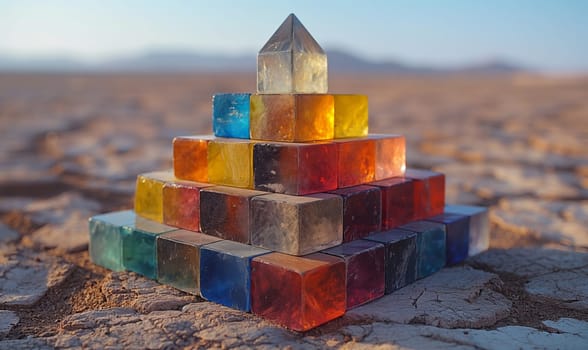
x=139 y=248
x=105 y=238
x=431 y=248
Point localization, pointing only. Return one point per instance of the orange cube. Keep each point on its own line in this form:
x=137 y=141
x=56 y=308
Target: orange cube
x=190 y=157
x=356 y=161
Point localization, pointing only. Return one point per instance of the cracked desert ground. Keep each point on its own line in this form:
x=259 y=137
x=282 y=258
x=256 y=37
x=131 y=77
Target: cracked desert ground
x=72 y=145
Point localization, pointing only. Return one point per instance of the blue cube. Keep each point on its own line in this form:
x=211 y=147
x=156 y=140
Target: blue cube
x=430 y=246
x=457 y=229
x=139 y=249
x=105 y=238
x=225 y=273
x=230 y=115
x=479 y=230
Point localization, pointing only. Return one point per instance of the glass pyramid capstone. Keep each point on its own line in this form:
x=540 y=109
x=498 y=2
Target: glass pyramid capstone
x=290 y=209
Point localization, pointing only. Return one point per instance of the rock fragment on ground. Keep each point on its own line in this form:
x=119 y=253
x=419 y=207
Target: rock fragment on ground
x=560 y=276
x=58 y=209
x=452 y=298
x=142 y=294
x=7 y=235
x=8 y=319
x=564 y=222
x=70 y=236
x=25 y=276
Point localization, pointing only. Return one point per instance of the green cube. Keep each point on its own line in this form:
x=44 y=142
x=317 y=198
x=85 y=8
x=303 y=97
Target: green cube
x=139 y=249
x=106 y=240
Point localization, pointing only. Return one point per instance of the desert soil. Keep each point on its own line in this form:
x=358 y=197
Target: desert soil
x=73 y=144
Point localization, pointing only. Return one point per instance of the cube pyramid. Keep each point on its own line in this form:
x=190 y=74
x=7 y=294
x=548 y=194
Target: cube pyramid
x=290 y=209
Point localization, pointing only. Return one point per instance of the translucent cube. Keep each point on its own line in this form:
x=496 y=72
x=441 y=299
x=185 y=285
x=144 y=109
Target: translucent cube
x=429 y=191
x=297 y=225
x=230 y=115
x=292 y=117
x=178 y=259
x=295 y=168
x=291 y=62
x=230 y=162
x=400 y=256
x=139 y=249
x=181 y=204
x=351 y=116
x=190 y=157
x=299 y=293
x=225 y=212
x=479 y=226
x=365 y=270
x=225 y=273
x=362 y=211
x=149 y=194
x=106 y=238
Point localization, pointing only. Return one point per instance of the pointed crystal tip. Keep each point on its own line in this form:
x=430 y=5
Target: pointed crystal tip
x=291 y=61
x=291 y=36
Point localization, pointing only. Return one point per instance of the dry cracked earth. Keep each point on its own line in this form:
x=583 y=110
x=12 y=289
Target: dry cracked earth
x=72 y=146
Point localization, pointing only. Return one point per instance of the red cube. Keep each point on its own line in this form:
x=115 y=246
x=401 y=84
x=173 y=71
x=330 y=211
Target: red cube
x=429 y=192
x=362 y=211
x=397 y=201
x=356 y=161
x=181 y=204
x=298 y=292
x=365 y=268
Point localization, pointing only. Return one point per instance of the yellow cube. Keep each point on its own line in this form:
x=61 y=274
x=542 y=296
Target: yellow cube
x=230 y=162
x=149 y=194
x=351 y=116
x=292 y=117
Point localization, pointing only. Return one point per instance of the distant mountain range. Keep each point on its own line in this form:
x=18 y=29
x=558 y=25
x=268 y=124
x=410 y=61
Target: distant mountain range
x=186 y=61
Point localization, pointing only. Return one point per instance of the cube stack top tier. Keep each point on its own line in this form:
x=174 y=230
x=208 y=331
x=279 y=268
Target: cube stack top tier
x=291 y=103
x=291 y=136
x=291 y=62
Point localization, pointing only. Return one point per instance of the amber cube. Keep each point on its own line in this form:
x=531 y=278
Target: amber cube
x=397 y=201
x=356 y=161
x=225 y=212
x=299 y=293
x=149 y=194
x=230 y=162
x=362 y=211
x=190 y=157
x=390 y=155
x=429 y=192
x=295 y=168
x=297 y=225
x=181 y=204
x=365 y=269
x=292 y=117
x=351 y=116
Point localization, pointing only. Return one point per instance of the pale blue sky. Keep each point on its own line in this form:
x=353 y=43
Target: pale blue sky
x=550 y=35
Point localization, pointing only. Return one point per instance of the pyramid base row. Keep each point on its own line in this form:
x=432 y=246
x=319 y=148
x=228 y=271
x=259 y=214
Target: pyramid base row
x=298 y=292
